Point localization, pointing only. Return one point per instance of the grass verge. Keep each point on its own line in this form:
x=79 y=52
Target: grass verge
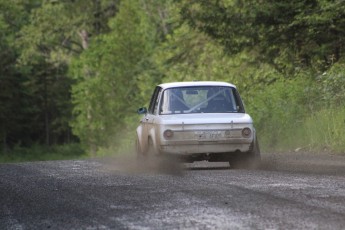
x=43 y=153
x=319 y=132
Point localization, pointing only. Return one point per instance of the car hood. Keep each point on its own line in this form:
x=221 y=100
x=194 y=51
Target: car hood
x=205 y=118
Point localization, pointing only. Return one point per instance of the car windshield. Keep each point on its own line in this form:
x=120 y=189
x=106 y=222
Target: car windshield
x=200 y=99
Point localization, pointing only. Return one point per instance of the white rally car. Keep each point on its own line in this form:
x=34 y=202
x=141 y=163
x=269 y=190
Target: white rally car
x=201 y=120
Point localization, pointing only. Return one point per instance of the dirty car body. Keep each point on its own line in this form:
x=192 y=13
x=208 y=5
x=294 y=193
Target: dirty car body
x=197 y=121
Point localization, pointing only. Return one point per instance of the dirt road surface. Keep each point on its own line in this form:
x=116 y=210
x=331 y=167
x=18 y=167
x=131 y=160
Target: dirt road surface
x=288 y=191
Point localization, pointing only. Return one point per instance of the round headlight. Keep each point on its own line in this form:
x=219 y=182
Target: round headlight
x=168 y=134
x=246 y=132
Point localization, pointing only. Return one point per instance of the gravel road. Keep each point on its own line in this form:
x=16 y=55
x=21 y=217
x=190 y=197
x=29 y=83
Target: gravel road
x=286 y=192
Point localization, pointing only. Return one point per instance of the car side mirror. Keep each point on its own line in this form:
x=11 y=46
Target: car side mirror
x=142 y=110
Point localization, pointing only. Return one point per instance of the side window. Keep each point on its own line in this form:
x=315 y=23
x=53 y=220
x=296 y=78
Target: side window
x=154 y=100
x=238 y=100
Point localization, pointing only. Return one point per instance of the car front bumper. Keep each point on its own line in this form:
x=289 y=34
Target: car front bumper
x=185 y=148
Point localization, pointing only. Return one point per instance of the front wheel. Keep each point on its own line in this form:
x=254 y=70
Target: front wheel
x=139 y=150
x=145 y=153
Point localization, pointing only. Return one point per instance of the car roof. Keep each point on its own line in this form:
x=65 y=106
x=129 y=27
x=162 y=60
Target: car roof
x=195 y=83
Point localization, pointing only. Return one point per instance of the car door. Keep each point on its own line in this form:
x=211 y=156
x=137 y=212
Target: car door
x=149 y=118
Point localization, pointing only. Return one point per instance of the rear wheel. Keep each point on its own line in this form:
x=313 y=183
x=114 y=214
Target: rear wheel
x=247 y=160
x=151 y=159
x=144 y=155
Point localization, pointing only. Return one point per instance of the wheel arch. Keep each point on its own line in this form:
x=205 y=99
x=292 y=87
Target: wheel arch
x=153 y=137
x=140 y=139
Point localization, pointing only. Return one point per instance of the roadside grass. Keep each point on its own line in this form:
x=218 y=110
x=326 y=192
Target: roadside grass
x=43 y=153
x=319 y=132
x=325 y=130
x=122 y=143
x=322 y=131
x=300 y=114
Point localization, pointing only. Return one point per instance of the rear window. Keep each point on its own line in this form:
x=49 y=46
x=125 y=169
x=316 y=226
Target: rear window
x=200 y=99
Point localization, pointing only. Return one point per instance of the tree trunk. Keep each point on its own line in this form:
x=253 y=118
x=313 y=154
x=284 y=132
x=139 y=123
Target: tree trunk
x=4 y=142
x=46 y=112
x=84 y=36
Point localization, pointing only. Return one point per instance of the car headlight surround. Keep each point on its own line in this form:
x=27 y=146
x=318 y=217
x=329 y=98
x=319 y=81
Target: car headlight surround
x=168 y=134
x=246 y=132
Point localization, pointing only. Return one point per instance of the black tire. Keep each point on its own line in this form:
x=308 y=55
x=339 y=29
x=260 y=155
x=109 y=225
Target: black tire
x=255 y=153
x=151 y=159
x=248 y=160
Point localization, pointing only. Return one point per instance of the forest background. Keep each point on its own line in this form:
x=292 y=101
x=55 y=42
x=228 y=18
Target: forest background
x=73 y=72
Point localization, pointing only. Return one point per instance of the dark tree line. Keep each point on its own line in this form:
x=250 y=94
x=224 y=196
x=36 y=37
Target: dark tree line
x=37 y=41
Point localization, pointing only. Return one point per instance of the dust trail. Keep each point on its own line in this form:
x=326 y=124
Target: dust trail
x=299 y=162
x=129 y=163
x=304 y=162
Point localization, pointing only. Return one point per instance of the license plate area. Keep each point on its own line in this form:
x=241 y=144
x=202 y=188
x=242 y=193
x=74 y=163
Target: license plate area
x=212 y=134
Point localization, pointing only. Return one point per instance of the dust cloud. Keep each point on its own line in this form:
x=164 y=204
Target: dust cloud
x=304 y=162
x=299 y=162
x=130 y=163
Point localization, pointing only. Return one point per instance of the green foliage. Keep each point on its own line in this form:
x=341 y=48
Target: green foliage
x=324 y=130
x=41 y=38
x=102 y=59
x=61 y=29
x=300 y=114
x=13 y=105
x=48 y=92
x=332 y=86
x=107 y=75
x=279 y=108
x=286 y=34
x=319 y=132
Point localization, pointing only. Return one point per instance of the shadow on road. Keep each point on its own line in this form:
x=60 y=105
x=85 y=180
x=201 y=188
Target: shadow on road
x=207 y=168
